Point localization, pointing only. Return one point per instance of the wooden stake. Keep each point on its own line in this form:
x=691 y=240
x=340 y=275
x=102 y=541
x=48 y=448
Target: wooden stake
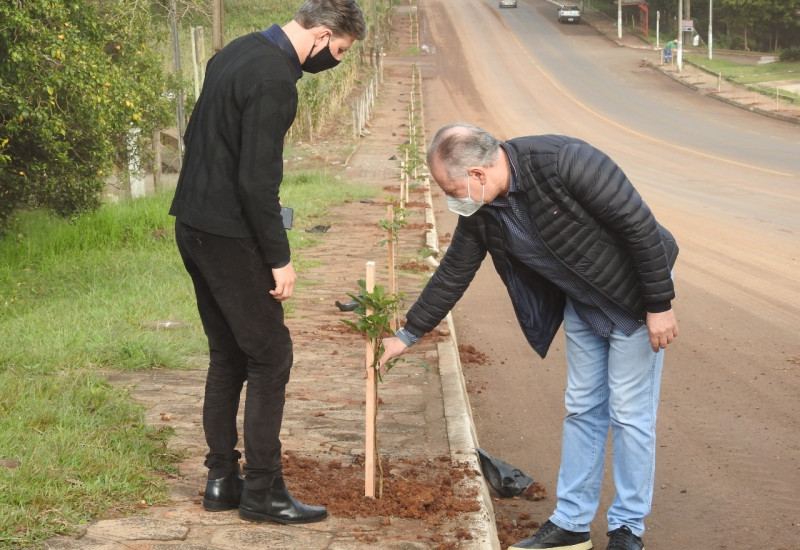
x=370 y=448
x=402 y=179
x=392 y=277
x=404 y=191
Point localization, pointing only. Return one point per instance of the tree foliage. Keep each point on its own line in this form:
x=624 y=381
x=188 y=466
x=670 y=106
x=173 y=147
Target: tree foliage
x=79 y=88
x=764 y=25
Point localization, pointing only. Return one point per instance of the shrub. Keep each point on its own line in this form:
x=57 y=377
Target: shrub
x=78 y=89
x=790 y=54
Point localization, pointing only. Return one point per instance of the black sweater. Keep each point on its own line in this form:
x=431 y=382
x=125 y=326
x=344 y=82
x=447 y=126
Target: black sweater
x=233 y=165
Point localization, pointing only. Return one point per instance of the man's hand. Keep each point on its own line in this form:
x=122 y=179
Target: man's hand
x=285 y=278
x=663 y=329
x=392 y=347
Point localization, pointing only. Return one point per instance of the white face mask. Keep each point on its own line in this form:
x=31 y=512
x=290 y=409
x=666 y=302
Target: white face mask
x=466 y=206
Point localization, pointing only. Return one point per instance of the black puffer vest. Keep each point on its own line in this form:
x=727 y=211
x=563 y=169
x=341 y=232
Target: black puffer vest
x=590 y=217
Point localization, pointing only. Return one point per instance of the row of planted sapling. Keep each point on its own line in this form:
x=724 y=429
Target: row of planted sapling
x=377 y=309
x=413 y=150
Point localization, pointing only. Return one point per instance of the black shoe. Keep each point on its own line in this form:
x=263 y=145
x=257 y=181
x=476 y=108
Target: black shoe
x=276 y=504
x=624 y=539
x=554 y=537
x=223 y=493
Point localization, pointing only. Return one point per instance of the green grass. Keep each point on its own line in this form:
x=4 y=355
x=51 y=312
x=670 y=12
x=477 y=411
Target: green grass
x=754 y=77
x=244 y=16
x=749 y=74
x=80 y=448
x=78 y=295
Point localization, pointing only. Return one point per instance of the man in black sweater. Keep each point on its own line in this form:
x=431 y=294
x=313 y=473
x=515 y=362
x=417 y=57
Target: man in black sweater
x=575 y=244
x=232 y=240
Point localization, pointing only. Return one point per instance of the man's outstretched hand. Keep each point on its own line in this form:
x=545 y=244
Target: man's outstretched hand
x=392 y=347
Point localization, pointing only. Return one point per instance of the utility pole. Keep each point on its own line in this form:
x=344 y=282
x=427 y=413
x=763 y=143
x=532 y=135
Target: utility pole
x=710 y=35
x=658 y=29
x=688 y=10
x=679 y=59
x=619 y=19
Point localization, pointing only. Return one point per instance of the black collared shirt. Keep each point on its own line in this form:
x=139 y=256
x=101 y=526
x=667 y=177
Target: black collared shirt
x=276 y=35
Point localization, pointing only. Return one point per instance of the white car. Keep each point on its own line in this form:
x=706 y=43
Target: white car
x=569 y=13
x=508 y=3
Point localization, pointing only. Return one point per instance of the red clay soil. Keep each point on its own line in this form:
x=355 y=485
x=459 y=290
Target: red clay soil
x=513 y=517
x=413 y=265
x=412 y=489
x=469 y=354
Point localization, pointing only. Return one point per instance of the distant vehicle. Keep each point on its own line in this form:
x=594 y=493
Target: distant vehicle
x=569 y=13
x=508 y=3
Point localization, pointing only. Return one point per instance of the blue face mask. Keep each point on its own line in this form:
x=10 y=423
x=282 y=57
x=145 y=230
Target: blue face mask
x=466 y=206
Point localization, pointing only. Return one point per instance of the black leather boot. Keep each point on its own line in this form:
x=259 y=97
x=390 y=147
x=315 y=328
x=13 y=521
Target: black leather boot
x=276 y=504
x=223 y=493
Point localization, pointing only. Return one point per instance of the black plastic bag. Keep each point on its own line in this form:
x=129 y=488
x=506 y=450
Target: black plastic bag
x=504 y=478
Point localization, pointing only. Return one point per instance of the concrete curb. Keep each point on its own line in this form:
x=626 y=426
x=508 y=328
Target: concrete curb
x=677 y=77
x=463 y=439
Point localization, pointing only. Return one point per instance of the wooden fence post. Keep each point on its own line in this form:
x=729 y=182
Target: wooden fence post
x=372 y=401
x=217 y=24
x=156 y=161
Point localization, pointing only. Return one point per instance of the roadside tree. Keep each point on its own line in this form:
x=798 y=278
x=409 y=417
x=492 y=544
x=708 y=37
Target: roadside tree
x=80 y=91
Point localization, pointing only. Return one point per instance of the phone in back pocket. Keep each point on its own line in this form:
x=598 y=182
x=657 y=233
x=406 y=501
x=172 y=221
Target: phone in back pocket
x=288 y=215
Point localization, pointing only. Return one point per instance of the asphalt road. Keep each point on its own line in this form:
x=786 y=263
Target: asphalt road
x=726 y=182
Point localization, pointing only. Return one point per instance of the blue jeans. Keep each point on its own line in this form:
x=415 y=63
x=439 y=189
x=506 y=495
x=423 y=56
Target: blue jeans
x=611 y=382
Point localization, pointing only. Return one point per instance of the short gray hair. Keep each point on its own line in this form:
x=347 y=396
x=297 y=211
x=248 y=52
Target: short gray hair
x=460 y=145
x=342 y=17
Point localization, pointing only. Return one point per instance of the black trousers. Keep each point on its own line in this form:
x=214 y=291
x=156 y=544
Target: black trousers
x=248 y=341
